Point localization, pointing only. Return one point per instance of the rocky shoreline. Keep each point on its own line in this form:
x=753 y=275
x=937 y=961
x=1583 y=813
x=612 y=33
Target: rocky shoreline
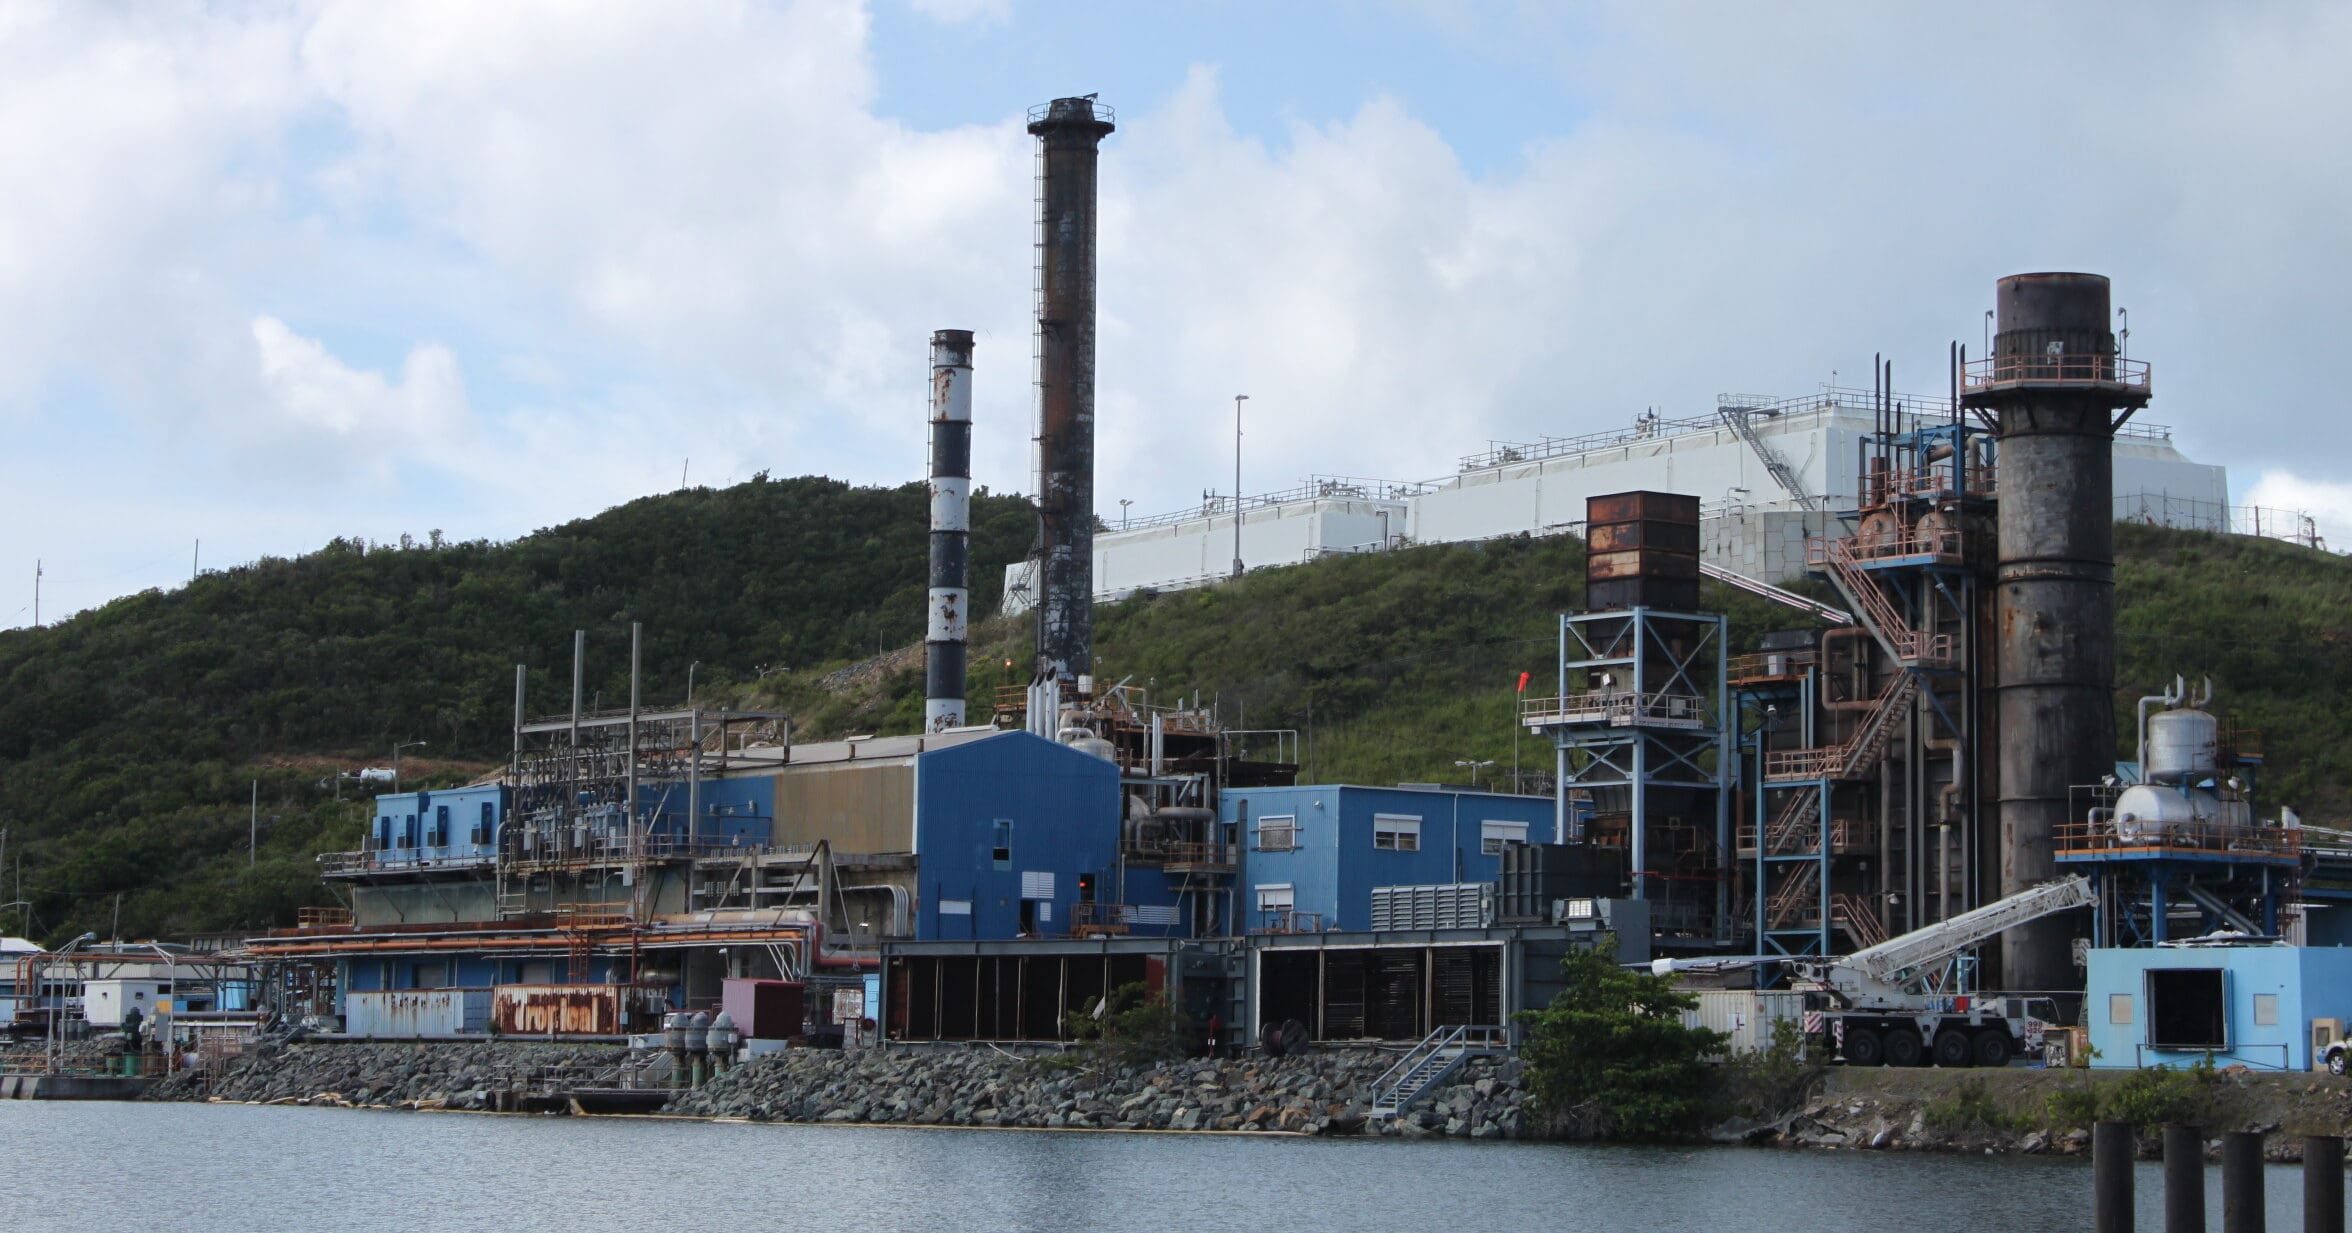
x=1322 y=1093
x=1326 y=1092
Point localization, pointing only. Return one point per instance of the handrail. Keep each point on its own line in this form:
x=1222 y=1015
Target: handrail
x=1779 y=595
x=2108 y=836
x=1906 y=643
x=2077 y=369
x=1428 y=1062
x=1615 y=706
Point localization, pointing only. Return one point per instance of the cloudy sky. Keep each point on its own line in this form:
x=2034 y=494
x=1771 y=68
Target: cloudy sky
x=275 y=273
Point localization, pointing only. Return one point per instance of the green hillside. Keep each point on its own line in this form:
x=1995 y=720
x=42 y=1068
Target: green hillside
x=1396 y=666
x=129 y=735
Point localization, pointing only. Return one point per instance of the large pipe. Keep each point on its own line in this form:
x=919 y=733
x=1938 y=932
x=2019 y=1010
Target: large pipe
x=2242 y=1209
x=951 y=526
x=2111 y=1177
x=1069 y=133
x=2184 y=1178
x=2053 y=383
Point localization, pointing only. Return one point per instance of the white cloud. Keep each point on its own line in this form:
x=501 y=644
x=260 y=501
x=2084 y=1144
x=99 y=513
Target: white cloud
x=2327 y=503
x=313 y=392
x=965 y=12
x=490 y=266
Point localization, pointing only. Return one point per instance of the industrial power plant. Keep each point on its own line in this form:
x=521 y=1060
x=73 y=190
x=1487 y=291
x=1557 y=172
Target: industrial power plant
x=1898 y=822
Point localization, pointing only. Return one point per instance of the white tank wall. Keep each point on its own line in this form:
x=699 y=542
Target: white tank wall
x=1759 y=532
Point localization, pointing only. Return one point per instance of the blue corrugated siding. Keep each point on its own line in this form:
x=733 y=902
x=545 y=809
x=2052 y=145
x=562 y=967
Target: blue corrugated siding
x=1337 y=863
x=1057 y=811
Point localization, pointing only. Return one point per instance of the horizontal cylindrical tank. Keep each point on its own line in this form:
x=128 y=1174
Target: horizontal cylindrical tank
x=2182 y=744
x=2154 y=812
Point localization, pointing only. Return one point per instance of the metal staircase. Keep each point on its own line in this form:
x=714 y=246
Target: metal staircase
x=1782 y=474
x=1908 y=646
x=1430 y=1063
x=1846 y=761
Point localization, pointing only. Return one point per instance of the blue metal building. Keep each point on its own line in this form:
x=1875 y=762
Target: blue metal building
x=1314 y=853
x=1017 y=836
x=2254 y=1005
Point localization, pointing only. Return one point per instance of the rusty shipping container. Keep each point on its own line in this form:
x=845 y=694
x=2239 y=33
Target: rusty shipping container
x=415 y=1014
x=1676 y=537
x=1642 y=507
x=576 y=1010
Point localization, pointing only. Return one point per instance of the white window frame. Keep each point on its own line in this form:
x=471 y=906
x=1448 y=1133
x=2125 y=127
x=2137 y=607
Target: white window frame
x=1495 y=834
x=1283 y=826
x=1286 y=891
x=1396 y=832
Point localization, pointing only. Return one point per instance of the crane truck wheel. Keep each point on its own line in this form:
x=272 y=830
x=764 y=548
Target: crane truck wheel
x=1864 y=1047
x=1903 y=1047
x=1993 y=1047
x=1953 y=1048
x=2338 y=1063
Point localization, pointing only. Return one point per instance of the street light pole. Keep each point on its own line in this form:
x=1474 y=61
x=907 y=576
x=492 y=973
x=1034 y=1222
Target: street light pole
x=690 y=681
x=1238 y=399
x=396 y=761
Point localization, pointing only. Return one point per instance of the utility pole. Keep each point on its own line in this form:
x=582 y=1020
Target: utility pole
x=1238 y=399
x=36 y=593
x=253 y=827
x=196 y=561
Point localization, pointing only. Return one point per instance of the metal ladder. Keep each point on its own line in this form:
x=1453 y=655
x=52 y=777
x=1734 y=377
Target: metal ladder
x=1429 y=1064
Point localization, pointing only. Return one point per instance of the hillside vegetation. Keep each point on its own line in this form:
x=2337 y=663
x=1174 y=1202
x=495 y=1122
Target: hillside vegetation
x=130 y=736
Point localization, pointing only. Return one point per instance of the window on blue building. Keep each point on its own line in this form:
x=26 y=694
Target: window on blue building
x=2188 y=1008
x=1278 y=832
x=1396 y=832
x=1001 y=849
x=1494 y=836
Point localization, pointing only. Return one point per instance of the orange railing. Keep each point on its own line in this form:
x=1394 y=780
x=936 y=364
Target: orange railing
x=1213 y=854
x=1284 y=920
x=322 y=918
x=1934 y=479
x=2107 y=835
x=2043 y=369
x=1101 y=920
x=1838 y=555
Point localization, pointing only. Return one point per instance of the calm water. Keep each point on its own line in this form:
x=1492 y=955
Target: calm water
x=200 y=1168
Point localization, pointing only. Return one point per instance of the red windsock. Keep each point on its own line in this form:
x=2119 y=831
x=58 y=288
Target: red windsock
x=1523 y=682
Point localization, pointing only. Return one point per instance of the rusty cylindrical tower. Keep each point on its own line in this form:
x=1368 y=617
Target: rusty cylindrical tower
x=951 y=527
x=1069 y=132
x=2053 y=385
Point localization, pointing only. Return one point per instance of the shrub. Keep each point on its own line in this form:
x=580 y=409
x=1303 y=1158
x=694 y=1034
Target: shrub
x=1969 y=1107
x=1610 y=1057
x=1137 y=1027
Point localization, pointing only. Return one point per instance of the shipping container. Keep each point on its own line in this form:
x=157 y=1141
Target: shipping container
x=1642 y=507
x=1747 y=1016
x=1676 y=537
x=413 y=1014
x=768 y=1009
x=577 y=1010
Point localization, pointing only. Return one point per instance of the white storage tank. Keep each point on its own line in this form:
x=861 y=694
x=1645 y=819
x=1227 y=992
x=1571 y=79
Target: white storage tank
x=2182 y=744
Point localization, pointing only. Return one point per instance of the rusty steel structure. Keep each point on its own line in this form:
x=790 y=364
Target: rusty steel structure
x=1069 y=132
x=951 y=526
x=2055 y=391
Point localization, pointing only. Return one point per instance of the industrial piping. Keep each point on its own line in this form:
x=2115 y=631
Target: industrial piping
x=951 y=525
x=2051 y=387
x=1069 y=133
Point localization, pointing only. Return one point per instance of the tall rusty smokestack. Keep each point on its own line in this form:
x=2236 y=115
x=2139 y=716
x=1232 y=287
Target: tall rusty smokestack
x=2054 y=382
x=1069 y=133
x=951 y=529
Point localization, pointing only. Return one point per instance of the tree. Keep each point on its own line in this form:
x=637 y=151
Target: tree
x=1611 y=1057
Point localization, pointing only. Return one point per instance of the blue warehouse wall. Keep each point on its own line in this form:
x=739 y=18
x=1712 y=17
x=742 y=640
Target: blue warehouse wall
x=1338 y=856
x=454 y=824
x=1013 y=820
x=740 y=812
x=2269 y=996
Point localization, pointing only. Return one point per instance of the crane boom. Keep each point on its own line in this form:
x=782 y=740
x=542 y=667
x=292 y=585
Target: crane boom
x=1888 y=965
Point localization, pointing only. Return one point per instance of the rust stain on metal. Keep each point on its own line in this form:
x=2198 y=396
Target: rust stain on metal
x=565 y=1010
